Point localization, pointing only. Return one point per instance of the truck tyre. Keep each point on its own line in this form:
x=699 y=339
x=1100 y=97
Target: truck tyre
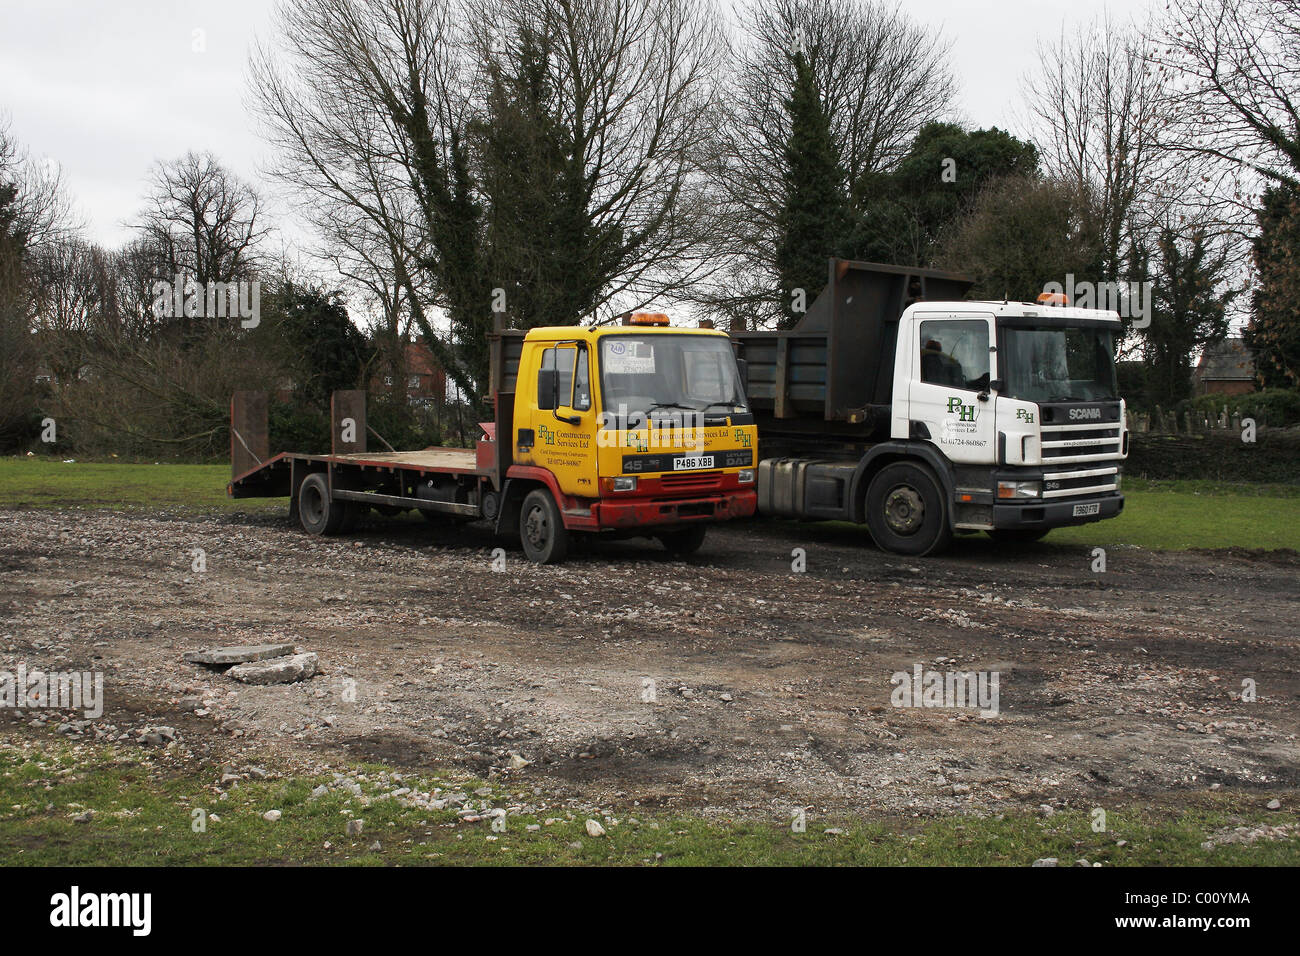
x=684 y=541
x=1015 y=536
x=541 y=529
x=907 y=511
x=317 y=512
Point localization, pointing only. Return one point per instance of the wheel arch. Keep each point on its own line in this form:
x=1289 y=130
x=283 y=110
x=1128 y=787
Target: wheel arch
x=887 y=453
x=521 y=480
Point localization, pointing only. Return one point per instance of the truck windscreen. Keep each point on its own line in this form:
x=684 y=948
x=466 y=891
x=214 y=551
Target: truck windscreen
x=1055 y=364
x=640 y=375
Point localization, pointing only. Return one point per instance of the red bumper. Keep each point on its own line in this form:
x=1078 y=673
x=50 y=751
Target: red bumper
x=636 y=512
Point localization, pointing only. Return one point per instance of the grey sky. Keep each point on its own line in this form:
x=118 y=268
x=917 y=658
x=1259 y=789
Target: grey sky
x=107 y=88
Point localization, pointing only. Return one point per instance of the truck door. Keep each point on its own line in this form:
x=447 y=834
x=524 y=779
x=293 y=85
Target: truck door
x=952 y=364
x=563 y=435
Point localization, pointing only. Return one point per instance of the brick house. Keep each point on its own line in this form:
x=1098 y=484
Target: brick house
x=423 y=380
x=1226 y=368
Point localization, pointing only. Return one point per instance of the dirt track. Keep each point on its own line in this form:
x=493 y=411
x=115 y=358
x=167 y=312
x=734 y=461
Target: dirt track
x=772 y=688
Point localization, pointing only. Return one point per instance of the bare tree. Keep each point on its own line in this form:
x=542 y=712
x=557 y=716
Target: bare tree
x=1099 y=118
x=880 y=76
x=364 y=104
x=202 y=220
x=369 y=105
x=35 y=215
x=1233 y=67
x=74 y=288
x=42 y=205
x=1229 y=72
x=630 y=87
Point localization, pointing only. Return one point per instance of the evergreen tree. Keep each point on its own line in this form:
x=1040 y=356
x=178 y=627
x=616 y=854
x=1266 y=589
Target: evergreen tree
x=1274 y=329
x=320 y=343
x=17 y=355
x=541 y=245
x=814 y=220
x=901 y=213
x=1187 y=313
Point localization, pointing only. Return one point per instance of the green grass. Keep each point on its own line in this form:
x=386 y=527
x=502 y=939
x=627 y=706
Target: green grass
x=1176 y=519
x=51 y=483
x=144 y=814
x=1163 y=516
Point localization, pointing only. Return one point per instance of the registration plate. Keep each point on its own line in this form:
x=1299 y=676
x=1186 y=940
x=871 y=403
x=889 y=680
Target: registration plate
x=1082 y=511
x=698 y=461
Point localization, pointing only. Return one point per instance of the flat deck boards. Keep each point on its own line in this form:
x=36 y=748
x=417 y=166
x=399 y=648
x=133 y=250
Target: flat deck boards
x=268 y=477
x=434 y=459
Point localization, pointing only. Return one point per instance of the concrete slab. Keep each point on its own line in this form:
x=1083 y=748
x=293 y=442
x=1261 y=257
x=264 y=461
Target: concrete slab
x=278 y=670
x=224 y=656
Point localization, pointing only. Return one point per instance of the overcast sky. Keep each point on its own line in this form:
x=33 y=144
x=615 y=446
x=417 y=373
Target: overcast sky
x=106 y=87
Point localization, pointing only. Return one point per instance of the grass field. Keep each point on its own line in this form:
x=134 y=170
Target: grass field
x=50 y=483
x=1165 y=516
x=144 y=814
x=1176 y=516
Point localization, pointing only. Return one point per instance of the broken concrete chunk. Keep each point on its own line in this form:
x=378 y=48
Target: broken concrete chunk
x=224 y=656
x=279 y=670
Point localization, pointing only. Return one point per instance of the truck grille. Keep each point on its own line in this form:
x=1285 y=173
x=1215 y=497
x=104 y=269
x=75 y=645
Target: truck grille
x=1090 y=481
x=705 y=482
x=1080 y=443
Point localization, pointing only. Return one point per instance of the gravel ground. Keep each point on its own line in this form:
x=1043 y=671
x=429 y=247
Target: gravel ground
x=726 y=683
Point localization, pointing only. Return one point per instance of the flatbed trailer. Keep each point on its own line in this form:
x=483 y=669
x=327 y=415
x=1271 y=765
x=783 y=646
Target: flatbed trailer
x=555 y=461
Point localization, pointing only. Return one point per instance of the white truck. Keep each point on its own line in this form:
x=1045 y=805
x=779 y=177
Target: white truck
x=896 y=403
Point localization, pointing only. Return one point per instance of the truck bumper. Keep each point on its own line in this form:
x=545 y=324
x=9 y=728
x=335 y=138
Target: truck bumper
x=660 y=512
x=1055 y=514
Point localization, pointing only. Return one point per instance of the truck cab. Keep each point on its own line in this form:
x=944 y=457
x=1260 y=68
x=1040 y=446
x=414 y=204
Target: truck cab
x=1021 y=400
x=896 y=403
x=635 y=429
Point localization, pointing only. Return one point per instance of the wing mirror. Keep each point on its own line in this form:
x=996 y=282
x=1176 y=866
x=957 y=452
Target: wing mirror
x=548 y=388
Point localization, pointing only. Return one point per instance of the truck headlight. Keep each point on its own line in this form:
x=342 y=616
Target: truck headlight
x=745 y=476
x=624 y=483
x=1020 y=489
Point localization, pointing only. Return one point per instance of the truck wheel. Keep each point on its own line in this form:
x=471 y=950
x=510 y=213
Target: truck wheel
x=907 y=512
x=541 y=529
x=686 y=541
x=1018 y=535
x=317 y=513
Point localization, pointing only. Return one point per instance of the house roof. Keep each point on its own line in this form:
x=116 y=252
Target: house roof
x=1226 y=361
x=420 y=360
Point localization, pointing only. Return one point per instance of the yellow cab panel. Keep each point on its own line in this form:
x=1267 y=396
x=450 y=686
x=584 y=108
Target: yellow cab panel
x=645 y=416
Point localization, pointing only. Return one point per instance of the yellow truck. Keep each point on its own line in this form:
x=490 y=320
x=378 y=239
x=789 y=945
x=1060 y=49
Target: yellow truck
x=641 y=429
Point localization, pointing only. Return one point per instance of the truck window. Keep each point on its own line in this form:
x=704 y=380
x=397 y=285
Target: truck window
x=955 y=353
x=642 y=375
x=707 y=380
x=562 y=359
x=582 y=382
